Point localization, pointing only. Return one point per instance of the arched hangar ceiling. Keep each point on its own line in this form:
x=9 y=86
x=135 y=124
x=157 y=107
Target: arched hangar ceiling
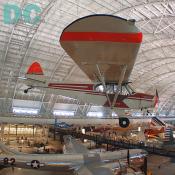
x=23 y=43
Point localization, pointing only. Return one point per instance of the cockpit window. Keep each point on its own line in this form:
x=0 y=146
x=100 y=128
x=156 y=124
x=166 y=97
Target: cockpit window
x=112 y=88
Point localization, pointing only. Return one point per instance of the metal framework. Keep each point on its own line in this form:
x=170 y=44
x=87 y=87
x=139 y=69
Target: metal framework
x=23 y=43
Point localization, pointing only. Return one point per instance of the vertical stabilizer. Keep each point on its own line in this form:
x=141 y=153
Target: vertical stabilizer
x=35 y=74
x=35 y=69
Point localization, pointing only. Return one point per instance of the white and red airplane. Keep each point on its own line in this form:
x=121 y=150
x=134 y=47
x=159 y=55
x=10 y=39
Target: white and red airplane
x=105 y=48
x=90 y=93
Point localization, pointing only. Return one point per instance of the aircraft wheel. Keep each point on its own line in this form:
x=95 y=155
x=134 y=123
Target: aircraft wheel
x=35 y=164
x=6 y=161
x=25 y=91
x=124 y=122
x=12 y=160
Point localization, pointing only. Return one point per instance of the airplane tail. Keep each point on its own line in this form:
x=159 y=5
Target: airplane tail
x=35 y=74
x=35 y=68
x=72 y=146
x=162 y=130
x=7 y=150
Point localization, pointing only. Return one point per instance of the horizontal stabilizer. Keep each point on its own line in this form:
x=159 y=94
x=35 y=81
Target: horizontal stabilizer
x=72 y=146
x=7 y=150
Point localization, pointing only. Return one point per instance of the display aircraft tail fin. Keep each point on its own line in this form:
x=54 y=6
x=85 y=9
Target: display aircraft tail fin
x=8 y=150
x=35 y=69
x=72 y=146
x=35 y=73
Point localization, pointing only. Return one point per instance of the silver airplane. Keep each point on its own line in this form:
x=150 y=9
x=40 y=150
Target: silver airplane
x=71 y=121
x=76 y=156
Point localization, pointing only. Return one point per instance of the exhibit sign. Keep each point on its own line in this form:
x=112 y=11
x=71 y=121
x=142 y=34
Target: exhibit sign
x=30 y=13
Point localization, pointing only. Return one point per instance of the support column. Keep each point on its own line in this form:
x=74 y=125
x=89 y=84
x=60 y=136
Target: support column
x=2 y=131
x=54 y=133
x=8 y=136
x=107 y=146
x=43 y=131
x=33 y=130
x=16 y=130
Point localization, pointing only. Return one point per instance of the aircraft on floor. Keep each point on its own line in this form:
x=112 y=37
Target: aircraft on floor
x=105 y=48
x=76 y=157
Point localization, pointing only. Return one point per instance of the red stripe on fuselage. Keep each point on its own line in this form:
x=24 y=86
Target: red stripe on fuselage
x=88 y=87
x=141 y=96
x=146 y=99
x=102 y=36
x=80 y=90
x=118 y=104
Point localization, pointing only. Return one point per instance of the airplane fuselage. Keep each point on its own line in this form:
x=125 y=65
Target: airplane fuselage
x=86 y=93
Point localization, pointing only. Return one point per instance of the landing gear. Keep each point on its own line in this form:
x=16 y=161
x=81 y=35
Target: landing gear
x=6 y=161
x=26 y=90
x=124 y=122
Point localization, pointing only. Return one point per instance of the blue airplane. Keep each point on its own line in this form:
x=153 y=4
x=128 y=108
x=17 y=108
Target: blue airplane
x=62 y=125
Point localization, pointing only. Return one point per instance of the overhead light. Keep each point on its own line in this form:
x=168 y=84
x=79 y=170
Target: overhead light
x=63 y=113
x=137 y=114
x=18 y=110
x=95 y=114
x=22 y=78
x=83 y=131
x=114 y=114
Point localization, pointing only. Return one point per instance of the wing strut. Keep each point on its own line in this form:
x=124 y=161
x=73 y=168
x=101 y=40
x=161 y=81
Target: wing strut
x=119 y=84
x=102 y=79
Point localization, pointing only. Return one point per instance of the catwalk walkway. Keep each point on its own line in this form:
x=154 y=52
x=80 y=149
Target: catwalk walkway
x=115 y=143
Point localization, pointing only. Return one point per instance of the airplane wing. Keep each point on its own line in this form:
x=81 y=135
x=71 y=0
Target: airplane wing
x=72 y=146
x=94 y=170
x=92 y=164
x=104 y=40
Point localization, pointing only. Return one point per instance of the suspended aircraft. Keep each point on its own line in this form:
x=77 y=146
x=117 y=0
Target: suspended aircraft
x=105 y=48
x=153 y=132
x=132 y=126
x=62 y=125
x=76 y=157
x=152 y=128
x=69 y=122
